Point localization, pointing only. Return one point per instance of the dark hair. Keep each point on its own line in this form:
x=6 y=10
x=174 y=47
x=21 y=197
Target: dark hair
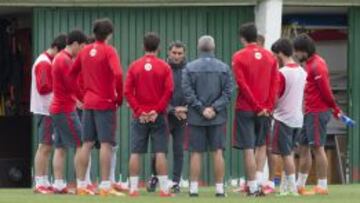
x=248 y=31
x=260 y=39
x=177 y=44
x=76 y=36
x=283 y=46
x=90 y=39
x=102 y=29
x=59 y=42
x=151 y=42
x=304 y=43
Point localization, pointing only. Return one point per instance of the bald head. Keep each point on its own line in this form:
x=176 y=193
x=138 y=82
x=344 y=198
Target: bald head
x=206 y=44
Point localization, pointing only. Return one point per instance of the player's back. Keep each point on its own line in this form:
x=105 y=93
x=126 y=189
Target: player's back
x=257 y=67
x=149 y=74
x=289 y=107
x=98 y=77
x=39 y=104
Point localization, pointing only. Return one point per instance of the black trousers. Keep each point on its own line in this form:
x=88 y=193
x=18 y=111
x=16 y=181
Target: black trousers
x=176 y=130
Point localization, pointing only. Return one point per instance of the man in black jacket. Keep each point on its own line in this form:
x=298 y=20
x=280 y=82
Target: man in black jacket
x=207 y=84
x=177 y=115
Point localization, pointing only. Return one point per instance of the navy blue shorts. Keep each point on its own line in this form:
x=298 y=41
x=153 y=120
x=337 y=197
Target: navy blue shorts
x=68 y=129
x=314 y=130
x=206 y=138
x=45 y=129
x=99 y=125
x=157 y=132
x=250 y=130
x=283 y=138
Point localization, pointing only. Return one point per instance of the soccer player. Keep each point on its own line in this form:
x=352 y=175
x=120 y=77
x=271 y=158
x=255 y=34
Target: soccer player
x=41 y=95
x=118 y=186
x=177 y=115
x=288 y=113
x=148 y=90
x=319 y=102
x=63 y=107
x=99 y=65
x=256 y=74
x=207 y=85
x=268 y=186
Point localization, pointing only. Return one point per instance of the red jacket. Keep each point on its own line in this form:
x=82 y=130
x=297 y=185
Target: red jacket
x=43 y=76
x=101 y=76
x=256 y=74
x=149 y=85
x=318 y=94
x=64 y=99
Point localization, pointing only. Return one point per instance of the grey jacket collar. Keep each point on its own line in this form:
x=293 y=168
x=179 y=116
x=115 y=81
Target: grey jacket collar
x=206 y=55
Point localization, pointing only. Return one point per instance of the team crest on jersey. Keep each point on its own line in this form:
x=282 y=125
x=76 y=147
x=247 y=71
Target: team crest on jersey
x=93 y=52
x=148 y=67
x=258 y=55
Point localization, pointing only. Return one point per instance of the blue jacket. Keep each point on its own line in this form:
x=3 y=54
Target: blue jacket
x=207 y=82
x=177 y=98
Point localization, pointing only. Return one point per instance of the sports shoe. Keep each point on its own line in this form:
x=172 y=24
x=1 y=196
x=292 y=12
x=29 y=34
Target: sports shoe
x=193 y=194
x=61 y=191
x=134 y=193
x=166 y=194
x=220 y=195
x=110 y=192
x=320 y=191
x=282 y=194
x=294 y=194
x=268 y=189
x=258 y=193
x=242 y=188
x=302 y=191
x=151 y=186
x=116 y=193
x=175 y=188
x=84 y=192
x=92 y=188
x=120 y=187
x=43 y=190
x=51 y=188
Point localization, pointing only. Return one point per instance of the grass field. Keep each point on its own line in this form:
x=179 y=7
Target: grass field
x=339 y=193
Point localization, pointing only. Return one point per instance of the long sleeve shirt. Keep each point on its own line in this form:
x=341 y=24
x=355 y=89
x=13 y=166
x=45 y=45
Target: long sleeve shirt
x=256 y=75
x=101 y=76
x=43 y=76
x=149 y=85
x=64 y=99
x=318 y=94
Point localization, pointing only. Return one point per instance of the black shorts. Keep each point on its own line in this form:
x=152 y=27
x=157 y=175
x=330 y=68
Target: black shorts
x=314 y=130
x=206 y=138
x=283 y=138
x=45 y=129
x=80 y=113
x=250 y=130
x=158 y=132
x=99 y=125
x=68 y=129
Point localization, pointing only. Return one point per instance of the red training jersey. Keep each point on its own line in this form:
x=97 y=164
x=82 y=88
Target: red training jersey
x=43 y=76
x=101 y=76
x=64 y=99
x=318 y=94
x=148 y=85
x=256 y=75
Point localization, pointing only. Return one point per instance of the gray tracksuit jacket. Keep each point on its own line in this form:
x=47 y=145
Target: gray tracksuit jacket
x=207 y=82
